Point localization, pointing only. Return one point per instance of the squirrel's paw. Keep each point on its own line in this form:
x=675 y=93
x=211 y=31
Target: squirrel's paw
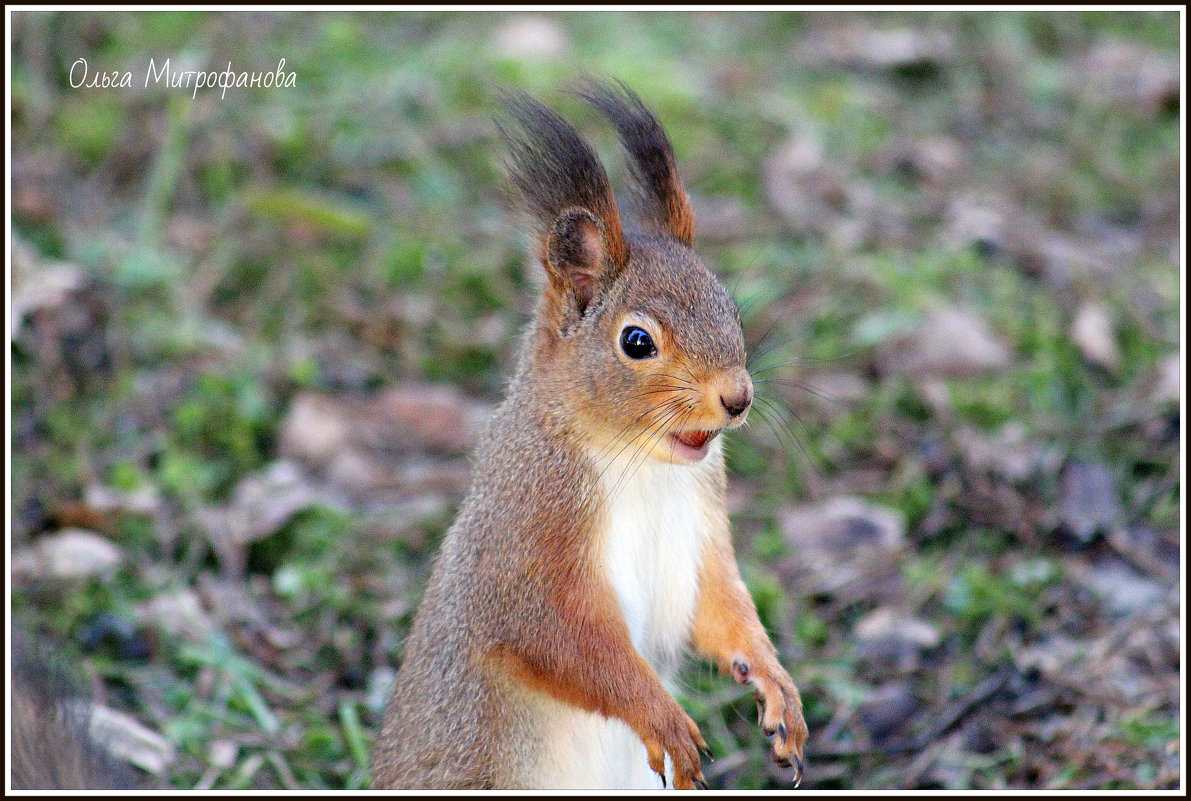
x=682 y=741
x=779 y=712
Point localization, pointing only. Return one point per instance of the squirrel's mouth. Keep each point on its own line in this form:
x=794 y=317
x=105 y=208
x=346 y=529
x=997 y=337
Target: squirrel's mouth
x=692 y=446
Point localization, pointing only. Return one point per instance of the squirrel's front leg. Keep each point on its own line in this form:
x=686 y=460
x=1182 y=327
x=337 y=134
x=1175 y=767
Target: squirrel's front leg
x=728 y=632
x=580 y=652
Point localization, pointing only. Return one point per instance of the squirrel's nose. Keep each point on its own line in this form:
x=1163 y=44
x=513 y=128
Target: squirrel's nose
x=735 y=404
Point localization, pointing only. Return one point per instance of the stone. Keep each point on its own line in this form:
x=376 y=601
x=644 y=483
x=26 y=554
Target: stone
x=1088 y=503
x=887 y=624
x=530 y=37
x=72 y=553
x=1094 y=333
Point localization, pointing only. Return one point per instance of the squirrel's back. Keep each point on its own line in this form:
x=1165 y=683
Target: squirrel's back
x=444 y=691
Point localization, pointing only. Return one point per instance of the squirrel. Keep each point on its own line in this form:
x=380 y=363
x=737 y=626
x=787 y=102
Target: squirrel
x=593 y=549
x=50 y=746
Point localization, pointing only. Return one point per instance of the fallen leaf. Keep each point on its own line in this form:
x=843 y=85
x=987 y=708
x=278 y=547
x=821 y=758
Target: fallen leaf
x=817 y=197
x=437 y=418
x=72 y=553
x=857 y=45
x=108 y=500
x=950 y=343
x=888 y=624
x=127 y=739
x=1128 y=75
x=1088 y=502
x=180 y=613
x=1122 y=589
x=263 y=502
x=401 y=420
x=530 y=37
x=315 y=428
x=887 y=712
x=1009 y=452
x=1167 y=383
x=1094 y=333
x=836 y=543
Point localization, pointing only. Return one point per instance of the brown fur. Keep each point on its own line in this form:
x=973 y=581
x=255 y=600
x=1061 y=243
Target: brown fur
x=664 y=207
x=50 y=746
x=519 y=605
x=728 y=633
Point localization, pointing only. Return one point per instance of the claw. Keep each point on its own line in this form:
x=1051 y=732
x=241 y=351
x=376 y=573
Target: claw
x=797 y=771
x=700 y=784
x=706 y=751
x=781 y=729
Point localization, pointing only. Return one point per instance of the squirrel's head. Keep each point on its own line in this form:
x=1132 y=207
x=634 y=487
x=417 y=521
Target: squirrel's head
x=636 y=341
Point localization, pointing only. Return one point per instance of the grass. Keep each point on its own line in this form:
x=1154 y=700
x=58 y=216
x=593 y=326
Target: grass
x=347 y=235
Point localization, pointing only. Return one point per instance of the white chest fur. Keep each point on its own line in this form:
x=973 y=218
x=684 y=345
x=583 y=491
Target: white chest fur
x=655 y=527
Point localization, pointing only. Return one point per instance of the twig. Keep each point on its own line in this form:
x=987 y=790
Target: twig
x=1144 y=562
x=958 y=710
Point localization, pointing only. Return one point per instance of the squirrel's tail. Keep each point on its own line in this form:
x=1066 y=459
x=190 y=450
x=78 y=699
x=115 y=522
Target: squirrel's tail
x=50 y=746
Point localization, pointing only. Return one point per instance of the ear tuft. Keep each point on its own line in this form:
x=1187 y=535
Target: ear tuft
x=552 y=168
x=664 y=206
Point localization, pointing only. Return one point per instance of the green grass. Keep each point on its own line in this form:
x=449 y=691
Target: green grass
x=349 y=234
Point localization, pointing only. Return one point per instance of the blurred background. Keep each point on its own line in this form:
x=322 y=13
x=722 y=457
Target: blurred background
x=254 y=337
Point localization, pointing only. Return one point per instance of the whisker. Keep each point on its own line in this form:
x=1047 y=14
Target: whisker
x=765 y=337
x=789 y=382
x=667 y=388
x=684 y=381
x=643 y=449
x=746 y=305
x=754 y=358
x=616 y=439
x=683 y=416
x=770 y=410
x=665 y=408
x=755 y=371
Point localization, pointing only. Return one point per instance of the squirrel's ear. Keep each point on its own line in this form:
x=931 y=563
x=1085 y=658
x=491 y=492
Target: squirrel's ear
x=664 y=206
x=577 y=256
x=558 y=179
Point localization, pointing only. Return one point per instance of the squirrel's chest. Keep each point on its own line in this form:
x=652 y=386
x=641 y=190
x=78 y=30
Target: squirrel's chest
x=655 y=525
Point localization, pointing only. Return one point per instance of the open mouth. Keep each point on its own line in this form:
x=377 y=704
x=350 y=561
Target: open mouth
x=692 y=445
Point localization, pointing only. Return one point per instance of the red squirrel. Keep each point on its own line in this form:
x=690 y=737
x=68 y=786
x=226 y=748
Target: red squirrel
x=593 y=549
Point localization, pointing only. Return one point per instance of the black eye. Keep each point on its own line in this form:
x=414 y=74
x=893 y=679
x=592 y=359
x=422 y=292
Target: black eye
x=637 y=343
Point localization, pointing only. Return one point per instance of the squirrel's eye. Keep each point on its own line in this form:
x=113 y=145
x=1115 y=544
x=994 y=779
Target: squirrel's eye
x=637 y=343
